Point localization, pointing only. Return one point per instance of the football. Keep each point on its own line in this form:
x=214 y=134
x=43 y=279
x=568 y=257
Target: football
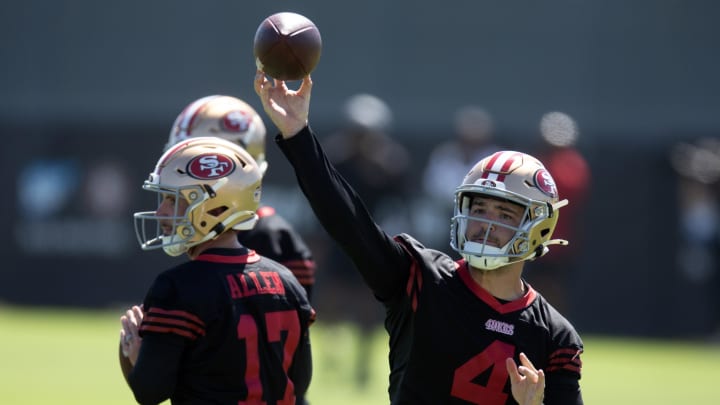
x=287 y=46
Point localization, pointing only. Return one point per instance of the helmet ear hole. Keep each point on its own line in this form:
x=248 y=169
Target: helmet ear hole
x=216 y=212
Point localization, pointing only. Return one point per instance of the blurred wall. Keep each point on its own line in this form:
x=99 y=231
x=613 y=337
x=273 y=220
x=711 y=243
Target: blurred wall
x=646 y=65
x=88 y=92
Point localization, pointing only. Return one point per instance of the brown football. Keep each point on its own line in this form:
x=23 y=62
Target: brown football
x=287 y=46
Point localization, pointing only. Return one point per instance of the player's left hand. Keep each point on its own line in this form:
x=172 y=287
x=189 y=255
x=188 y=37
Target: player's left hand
x=528 y=383
x=130 y=340
x=288 y=109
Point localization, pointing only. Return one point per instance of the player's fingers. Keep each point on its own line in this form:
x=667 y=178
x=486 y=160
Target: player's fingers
x=125 y=337
x=525 y=361
x=305 y=86
x=131 y=324
x=138 y=313
x=125 y=341
x=124 y=321
x=512 y=370
x=260 y=80
x=541 y=377
x=131 y=320
x=256 y=83
x=528 y=373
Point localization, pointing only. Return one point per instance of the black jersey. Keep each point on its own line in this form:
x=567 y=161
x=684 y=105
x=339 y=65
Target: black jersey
x=449 y=338
x=230 y=327
x=275 y=238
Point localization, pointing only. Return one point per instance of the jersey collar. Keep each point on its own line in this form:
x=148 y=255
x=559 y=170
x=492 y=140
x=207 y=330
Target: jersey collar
x=483 y=294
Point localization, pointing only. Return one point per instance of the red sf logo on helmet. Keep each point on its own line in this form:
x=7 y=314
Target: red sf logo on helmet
x=545 y=182
x=236 y=121
x=210 y=166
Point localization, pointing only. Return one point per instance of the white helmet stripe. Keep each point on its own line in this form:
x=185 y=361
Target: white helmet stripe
x=185 y=119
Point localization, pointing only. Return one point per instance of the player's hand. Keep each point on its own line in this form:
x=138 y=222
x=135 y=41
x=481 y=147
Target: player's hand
x=130 y=340
x=528 y=383
x=288 y=109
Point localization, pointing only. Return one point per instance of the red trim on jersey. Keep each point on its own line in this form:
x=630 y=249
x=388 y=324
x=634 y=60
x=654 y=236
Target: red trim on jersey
x=265 y=211
x=483 y=294
x=177 y=331
x=173 y=321
x=303 y=270
x=414 y=284
x=415 y=279
x=170 y=322
x=251 y=257
x=567 y=359
x=177 y=313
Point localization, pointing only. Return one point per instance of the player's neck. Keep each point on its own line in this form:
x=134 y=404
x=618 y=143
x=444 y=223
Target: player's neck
x=225 y=240
x=504 y=283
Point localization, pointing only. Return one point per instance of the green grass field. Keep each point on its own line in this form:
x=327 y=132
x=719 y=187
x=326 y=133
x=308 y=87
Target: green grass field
x=52 y=356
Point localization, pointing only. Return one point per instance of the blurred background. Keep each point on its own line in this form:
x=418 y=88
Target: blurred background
x=620 y=99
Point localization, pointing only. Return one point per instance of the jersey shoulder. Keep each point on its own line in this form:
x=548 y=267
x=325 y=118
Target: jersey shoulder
x=561 y=330
x=274 y=237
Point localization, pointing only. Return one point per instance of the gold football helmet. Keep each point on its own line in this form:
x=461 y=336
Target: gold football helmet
x=226 y=117
x=521 y=179
x=219 y=181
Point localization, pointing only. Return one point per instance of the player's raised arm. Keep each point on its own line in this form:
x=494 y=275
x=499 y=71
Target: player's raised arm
x=384 y=264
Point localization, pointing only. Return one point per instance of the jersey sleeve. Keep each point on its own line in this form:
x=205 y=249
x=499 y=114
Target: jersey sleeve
x=564 y=369
x=165 y=330
x=383 y=262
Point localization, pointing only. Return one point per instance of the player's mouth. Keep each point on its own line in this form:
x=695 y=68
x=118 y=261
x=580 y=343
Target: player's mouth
x=166 y=229
x=485 y=241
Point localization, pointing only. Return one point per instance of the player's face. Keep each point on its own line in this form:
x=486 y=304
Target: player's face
x=498 y=211
x=170 y=207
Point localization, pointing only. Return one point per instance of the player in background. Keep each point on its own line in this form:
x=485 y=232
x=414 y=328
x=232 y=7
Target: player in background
x=228 y=326
x=235 y=120
x=457 y=329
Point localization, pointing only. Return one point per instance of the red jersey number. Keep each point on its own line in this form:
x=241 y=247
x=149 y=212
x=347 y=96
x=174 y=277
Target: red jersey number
x=277 y=322
x=493 y=358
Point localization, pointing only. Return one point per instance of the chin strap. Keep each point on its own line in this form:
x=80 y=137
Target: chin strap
x=560 y=204
x=543 y=249
x=561 y=242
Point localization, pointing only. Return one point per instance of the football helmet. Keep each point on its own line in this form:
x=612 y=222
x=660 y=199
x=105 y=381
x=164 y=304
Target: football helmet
x=521 y=179
x=226 y=117
x=219 y=181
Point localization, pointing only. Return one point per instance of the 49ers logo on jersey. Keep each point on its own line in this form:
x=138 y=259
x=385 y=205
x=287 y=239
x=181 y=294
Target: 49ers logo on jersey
x=545 y=183
x=210 y=166
x=236 y=121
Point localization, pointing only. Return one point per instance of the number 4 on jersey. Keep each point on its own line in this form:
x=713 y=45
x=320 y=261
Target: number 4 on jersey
x=493 y=358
